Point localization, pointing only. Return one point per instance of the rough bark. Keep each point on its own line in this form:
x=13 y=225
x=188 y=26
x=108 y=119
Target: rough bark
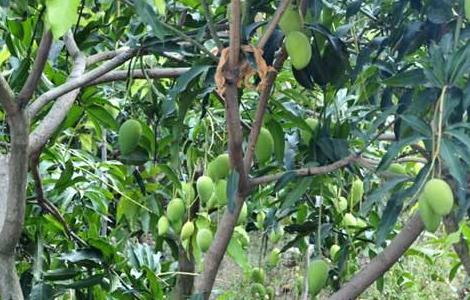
x=10 y=288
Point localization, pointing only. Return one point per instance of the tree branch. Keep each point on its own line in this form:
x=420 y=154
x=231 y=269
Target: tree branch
x=382 y=262
x=153 y=73
x=262 y=103
x=38 y=66
x=41 y=134
x=79 y=81
x=105 y=55
x=275 y=20
x=7 y=97
x=304 y=172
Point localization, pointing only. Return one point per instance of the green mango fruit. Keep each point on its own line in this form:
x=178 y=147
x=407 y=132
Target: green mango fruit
x=317 y=276
x=187 y=192
x=430 y=219
x=342 y=204
x=187 y=230
x=291 y=20
x=274 y=257
x=349 y=220
x=129 y=136
x=299 y=49
x=204 y=239
x=258 y=275
x=163 y=225
x=276 y=235
x=357 y=191
x=264 y=147
x=306 y=135
x=205 y=188
x=271 y=293
x=219 y=167
x=438 y=194
x=221 y=192
x=175 y=210
x=258 y=290
x=334 y=250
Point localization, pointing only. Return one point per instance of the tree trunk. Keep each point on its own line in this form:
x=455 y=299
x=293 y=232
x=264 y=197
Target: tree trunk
x=184 y=284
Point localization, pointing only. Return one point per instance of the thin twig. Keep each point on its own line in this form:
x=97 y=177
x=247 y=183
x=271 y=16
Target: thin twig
x=153 y=73
x=210 y=24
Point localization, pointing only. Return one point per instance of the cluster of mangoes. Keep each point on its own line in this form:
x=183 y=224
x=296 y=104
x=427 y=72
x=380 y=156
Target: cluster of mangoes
x=297 y=42
x=435 y=202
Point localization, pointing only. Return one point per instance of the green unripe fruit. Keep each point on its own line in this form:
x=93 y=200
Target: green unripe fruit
x=163 y=225
x=257 y=275
x=187 y=192
x=221 y=192
x=260 y=217
x=306 y=135
x=264 y=147
x=258 y=291
x=299 y=49
x=430 y=219
x=438 y=194
x=271 y=293
x=175 y=210
x=274 y=257
x=243 y=214
x=317 y=276
x=360 y=223
x=205 y=188
x=357 y=191
x=242 y=236
x=291 y=20
x=187 y=230
x=129 y=136
x=349 y=220
x=204 y=239
x=334 y=249
x=342 y=204
x=177 y=225
x=219 y=167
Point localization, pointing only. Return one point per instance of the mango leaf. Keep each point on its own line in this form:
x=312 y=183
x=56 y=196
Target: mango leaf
x=61 y=16
x=61 y=274
x=294 y=195
x=149 y=17
x=410 y=78
x=84 y=283
x=101 y=115
x=284 y=180
x=394 y=149
x=184 y=80
x=65 y=177
x=236 y=252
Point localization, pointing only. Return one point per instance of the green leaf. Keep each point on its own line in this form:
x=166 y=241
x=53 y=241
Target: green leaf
x=161 y=6
x=61 y=274
x=183 y=81
x=85 y=283
x=149 y=17
x=65 y=177
x=393 y=150
x=101 y=115
x=279 y=141
x=236 y=252
x=409 y=78
x=294 y=195
x=61 y=15
x=284 y=180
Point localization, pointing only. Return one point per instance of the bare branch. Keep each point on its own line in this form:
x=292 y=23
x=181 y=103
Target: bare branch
x=382 y=262
x=102 y=56
x=35 y=75
x=7 y=97
x=304 y=172
x=79 y=81
x=262 y=103
x=41 y=134
x=275 y=20
x=153 y=73
x=234 y=53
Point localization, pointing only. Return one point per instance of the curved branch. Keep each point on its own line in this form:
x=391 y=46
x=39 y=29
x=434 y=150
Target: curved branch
x=154 y=73
x=79 y=81
x=7 y=97
x=105 y=55
x=312 y=171
x=382 y=262
x=41 y=134
x=275 y=20
x=35 y=75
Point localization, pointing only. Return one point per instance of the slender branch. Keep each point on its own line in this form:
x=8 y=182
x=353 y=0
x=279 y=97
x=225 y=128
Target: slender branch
x=45 y=204
x=260 y=111
x=38 y=66
x=275 y=20
x=311 y=171
x=41 y=134
x=7 y=97
x=79 y=81
x=105 y=55
x=153 y=73
x=210 y=24
x=234 y=53
x=382 y=262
